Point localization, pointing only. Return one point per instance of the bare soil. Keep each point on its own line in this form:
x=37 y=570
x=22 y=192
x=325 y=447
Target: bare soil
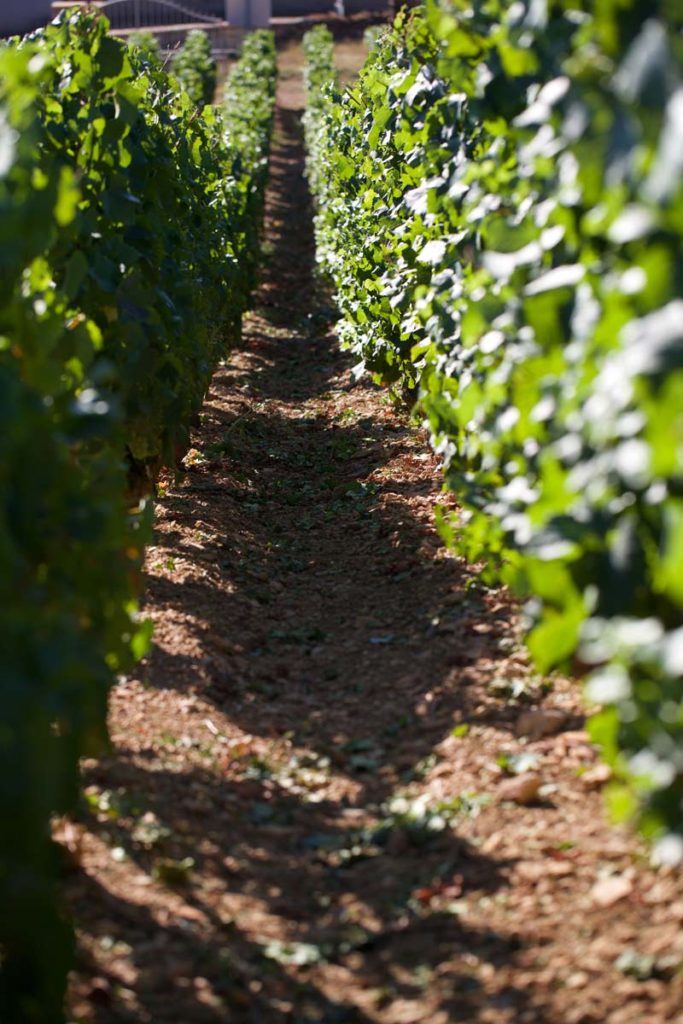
x=301 y=818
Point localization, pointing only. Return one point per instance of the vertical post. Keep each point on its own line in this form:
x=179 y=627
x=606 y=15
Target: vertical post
x=248 y=13
x=260 y=11
x=136 y=13
x=236 y=13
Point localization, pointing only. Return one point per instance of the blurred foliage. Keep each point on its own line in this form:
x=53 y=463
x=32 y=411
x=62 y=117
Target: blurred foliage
x=195 y=68
x=146 y=42
x=372 y=35
x=248 y=120
x=125 y=219
x=500 y=207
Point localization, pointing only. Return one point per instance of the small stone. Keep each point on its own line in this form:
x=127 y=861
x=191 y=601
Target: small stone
x=522 y=789
x=676 y=910
x=540 y=722
x=577 y=980
x=531 y=871
x=596 y=777
x=560 y=868
x=100 y=991
x=610 y=890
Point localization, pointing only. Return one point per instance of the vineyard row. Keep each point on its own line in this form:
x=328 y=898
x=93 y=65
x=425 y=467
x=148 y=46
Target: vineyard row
x=500 y=208
x=129 y=220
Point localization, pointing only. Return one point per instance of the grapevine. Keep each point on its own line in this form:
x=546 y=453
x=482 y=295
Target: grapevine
x=499 y=207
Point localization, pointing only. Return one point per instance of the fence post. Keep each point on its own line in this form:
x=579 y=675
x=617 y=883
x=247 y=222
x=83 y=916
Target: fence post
x=136 y=13
x=236 y=13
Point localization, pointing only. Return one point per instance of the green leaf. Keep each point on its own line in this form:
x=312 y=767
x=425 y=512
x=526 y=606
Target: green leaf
x=142 y=640
x=68 y=196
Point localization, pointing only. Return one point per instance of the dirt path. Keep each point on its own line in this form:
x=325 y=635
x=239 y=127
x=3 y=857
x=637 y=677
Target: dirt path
x=300 y=819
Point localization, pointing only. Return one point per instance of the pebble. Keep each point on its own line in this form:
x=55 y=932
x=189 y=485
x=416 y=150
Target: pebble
x=540 y=722
x=596 y=777
x=610 y=890
x=522 y=789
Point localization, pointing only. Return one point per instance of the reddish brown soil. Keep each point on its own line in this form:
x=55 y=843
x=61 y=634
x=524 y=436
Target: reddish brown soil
x=315 y=649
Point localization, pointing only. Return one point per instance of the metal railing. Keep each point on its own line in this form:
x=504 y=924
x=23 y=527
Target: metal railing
x=153 y=13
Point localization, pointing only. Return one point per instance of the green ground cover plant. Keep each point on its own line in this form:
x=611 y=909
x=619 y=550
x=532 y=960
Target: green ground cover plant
x=128 y=228
x=500 y=208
